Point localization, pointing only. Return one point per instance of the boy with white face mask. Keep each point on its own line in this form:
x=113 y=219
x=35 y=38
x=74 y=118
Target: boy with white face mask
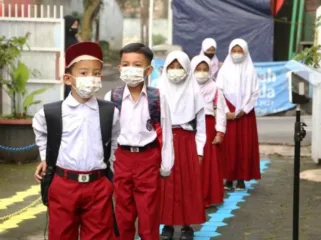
x=76 y=137
x=141 y=159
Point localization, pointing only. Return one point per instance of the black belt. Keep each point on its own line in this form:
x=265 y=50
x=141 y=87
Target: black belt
x=80 y=177
x=139 y=149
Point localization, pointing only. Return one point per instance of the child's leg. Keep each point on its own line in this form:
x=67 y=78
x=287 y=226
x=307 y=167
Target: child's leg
x=64 y=196
x=147 y=194
x=96 y=210
x=126 y=212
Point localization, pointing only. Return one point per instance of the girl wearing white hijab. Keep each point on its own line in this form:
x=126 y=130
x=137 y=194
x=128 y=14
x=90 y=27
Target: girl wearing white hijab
x=182 y=202
x=209 y=47
x=215 y=106
x=238 y=81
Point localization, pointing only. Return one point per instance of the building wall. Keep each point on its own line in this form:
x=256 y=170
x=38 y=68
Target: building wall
x=110 y=16
x=132 y=29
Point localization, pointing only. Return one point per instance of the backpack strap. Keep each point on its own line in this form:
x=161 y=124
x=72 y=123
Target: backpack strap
x=153 y=97
x=117 y=96
x=106 y=115
x=53 y=116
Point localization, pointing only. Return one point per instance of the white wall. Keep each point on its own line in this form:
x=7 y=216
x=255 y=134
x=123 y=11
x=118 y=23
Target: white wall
x=111 y=24
x=132 y=29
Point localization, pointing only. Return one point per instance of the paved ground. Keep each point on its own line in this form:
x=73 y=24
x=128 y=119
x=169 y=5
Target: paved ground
x=265 y=215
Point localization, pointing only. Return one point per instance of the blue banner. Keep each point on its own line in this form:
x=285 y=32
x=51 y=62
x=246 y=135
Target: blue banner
x=274 y=92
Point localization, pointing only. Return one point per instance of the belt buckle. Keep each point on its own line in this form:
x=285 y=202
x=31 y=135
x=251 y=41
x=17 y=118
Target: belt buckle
x=83 y=178
x=134 y=149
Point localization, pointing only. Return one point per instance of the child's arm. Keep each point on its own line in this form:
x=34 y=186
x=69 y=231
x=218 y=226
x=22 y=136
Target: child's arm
x=220 y=113
x=167 y=139
x=40 y=129
x=254 y=95
x=114 y=136
x=200 y=135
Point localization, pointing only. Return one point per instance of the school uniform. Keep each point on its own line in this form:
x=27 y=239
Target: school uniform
x=240 y=87
x=182 y=202
x=71 y=139
x=215 y=63
x=215 y=117
x=141 y=160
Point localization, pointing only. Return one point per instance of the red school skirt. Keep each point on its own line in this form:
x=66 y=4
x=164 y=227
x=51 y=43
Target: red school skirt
x=241 y=148
x=212 y=176
x=182 y=199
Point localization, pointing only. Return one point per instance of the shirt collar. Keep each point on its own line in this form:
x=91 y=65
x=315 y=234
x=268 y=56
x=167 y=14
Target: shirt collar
x=72 y=102
x=127 y=92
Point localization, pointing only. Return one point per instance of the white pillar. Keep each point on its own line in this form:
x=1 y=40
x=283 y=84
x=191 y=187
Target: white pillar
x=150 y=23
x=170 y=23
x=316 y=110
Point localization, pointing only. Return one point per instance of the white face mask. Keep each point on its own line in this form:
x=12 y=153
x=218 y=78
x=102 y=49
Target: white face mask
x=202 y=77
x=237 y=57
x=132 y=76
x=176 y=75
x=86 y=87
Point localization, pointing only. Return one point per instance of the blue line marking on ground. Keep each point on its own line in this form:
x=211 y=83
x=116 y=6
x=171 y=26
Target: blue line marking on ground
x=209 y=229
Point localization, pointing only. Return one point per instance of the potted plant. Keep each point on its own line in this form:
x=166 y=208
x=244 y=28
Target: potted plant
x=16 y=128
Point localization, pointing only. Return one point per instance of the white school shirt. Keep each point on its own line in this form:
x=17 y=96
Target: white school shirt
x=81 y=143
x=133 y=130
x=221 y=109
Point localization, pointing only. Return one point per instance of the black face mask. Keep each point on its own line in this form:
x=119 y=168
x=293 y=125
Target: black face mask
x=74 y=30
x=209 y=55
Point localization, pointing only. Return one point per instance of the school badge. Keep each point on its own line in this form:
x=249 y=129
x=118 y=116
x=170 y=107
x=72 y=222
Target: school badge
x=149 y=125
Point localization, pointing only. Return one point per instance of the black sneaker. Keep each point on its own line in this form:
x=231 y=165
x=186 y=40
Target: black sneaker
x=167 y=233
x=240 y=186
x=187 y=233
x=228 y=185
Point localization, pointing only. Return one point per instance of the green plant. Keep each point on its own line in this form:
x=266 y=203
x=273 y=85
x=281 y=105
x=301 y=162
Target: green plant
x=311 y=56
x=159 y=39
x=15 y=84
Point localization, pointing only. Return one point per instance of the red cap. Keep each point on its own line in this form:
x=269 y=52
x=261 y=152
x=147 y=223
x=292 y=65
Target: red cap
x=83 y=51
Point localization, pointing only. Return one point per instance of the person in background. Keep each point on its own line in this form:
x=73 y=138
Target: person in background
x=215 y=106
x=238 y=80
x=71 y=30
x=209 y=47
x=182 y=199
x=142 y=159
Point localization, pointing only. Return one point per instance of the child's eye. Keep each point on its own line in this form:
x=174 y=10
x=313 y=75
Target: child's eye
x=97 y=74
x=83 y=73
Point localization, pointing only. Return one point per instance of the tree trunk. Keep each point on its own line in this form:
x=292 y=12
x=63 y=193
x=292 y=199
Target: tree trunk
x=90 y=8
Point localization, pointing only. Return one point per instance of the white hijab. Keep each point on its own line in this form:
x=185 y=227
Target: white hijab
x=238 y=81
x=208 y=89
x=215 y=63
x=184 y=98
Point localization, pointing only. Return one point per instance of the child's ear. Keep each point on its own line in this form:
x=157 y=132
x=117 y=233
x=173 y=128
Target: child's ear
x=149 y=70
x=67 y=79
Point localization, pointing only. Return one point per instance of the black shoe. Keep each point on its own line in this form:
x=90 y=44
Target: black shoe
x=228 y=185
x=240 y=186
x=187 y=233
x=167 y=233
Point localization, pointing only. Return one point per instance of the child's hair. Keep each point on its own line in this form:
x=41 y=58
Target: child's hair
x=69 y=70
x=138 y=48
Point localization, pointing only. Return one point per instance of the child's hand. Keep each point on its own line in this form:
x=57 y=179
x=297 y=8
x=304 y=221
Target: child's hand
x=200 y=159
x=230 y=115
x=241 y=114
x=218 y=138
x=40 y=171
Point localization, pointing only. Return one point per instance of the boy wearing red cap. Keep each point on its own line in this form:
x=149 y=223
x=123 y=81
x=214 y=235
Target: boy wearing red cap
x=140 y=158
x=76 y=139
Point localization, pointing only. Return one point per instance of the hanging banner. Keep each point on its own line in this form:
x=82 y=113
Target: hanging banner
x=274 y=92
